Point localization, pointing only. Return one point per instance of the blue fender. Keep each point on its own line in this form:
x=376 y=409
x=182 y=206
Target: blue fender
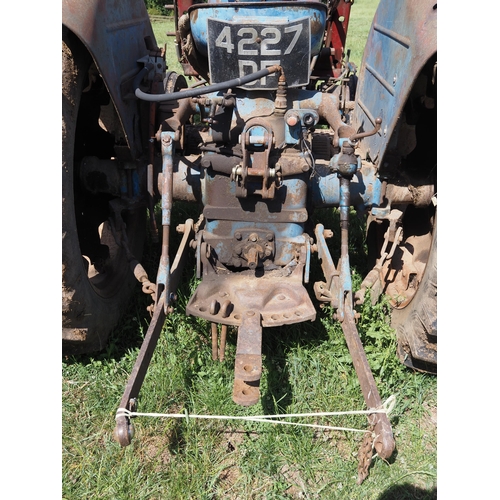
x=113 y=31
x=402 y=38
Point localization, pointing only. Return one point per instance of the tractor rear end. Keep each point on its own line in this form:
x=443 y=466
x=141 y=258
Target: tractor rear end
x=277 y=125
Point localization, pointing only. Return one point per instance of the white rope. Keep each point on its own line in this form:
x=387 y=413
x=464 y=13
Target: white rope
x=386 y=407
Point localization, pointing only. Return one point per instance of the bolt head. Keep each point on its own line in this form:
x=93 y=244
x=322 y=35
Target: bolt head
x=292 y=120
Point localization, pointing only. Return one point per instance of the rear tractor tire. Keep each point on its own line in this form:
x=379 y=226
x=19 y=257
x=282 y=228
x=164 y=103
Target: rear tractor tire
x=410 y=284
x=96 y=278
x=415 y=323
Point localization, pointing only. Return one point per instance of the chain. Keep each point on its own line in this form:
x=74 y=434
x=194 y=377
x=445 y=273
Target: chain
x=365 y=454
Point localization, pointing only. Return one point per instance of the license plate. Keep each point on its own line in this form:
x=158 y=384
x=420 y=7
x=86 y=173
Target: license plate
x=236 y=49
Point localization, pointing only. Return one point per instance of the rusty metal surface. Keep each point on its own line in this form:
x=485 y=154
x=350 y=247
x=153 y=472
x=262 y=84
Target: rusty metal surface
x=403 y=273
x=248 y=359
x=338 y=30
x=231 y=220
x=222 y=344
x=122 y=432
x=280 y=299
x=255 y=163
x=258 y=181
x=365 y=454
x=341 y=287
x=384 y=441
x=420 y=196
x=113 y=31
x=329 y=62
x=325 y=291
x=215 y=346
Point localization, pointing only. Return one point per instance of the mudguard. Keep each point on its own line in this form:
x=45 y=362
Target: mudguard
x=402 y=38
x=113 y=31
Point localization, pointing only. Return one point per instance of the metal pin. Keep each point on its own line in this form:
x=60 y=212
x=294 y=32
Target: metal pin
x=214 y=342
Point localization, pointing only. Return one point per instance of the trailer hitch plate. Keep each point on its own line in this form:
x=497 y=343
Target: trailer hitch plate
x=226 y=298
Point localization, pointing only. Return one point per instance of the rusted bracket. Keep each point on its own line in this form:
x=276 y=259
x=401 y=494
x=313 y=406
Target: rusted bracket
x=255 y=162
x=373 y=279
x=248 y=361
x=330 y=272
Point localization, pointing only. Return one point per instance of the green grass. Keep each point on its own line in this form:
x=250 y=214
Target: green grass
x=362 y=12
x=306 y=368
x=163 y=31
x=203 y=459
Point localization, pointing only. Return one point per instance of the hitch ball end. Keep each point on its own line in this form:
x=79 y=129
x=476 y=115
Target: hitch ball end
x=124 y=432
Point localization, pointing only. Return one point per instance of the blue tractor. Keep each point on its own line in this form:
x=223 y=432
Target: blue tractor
x=275 y=124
